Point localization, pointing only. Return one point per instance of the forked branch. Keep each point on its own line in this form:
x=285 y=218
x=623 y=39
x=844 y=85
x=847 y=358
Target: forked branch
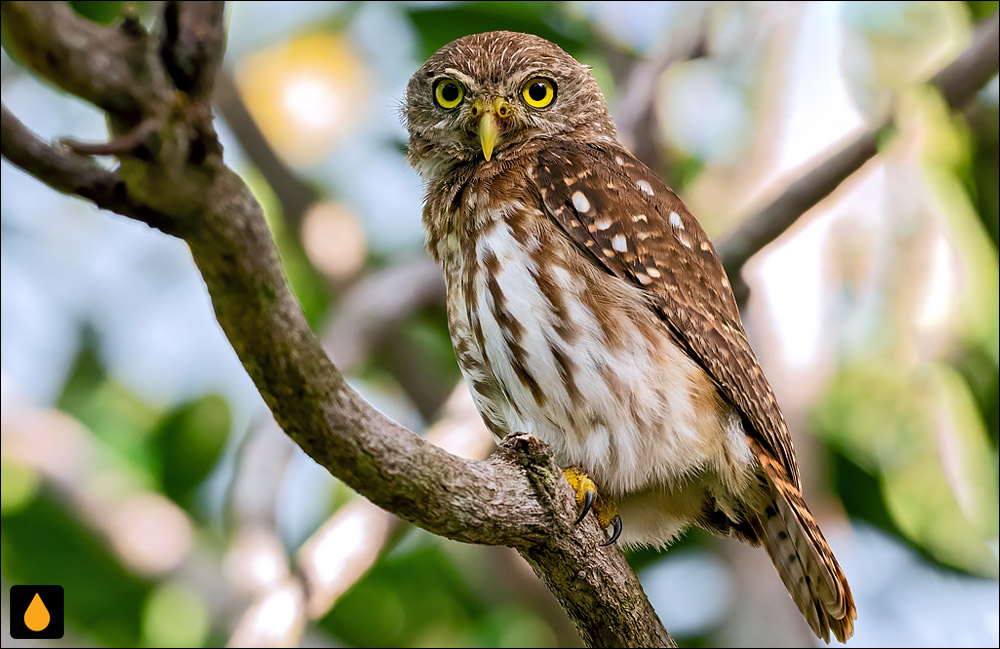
x=178 y=183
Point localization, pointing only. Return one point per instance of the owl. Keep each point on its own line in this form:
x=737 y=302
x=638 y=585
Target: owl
x=587 y=307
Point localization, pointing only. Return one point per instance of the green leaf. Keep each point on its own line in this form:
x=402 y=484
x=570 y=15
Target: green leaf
x=188 y=442
x=102 y=12
x=439 y=25
x=982 y=8
x=44 y=544
x=922 y=437
x=410 y=598
x=116 y=415
x=175 y=616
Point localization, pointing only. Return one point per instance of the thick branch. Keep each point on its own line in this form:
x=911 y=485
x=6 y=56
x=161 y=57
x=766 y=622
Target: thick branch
x=958 y=83
x=516 y=498
x=193 y=41
x=108 y=67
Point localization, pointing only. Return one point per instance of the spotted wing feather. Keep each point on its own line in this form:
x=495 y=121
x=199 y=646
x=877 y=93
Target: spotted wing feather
x=638 y=229
x=614 y=208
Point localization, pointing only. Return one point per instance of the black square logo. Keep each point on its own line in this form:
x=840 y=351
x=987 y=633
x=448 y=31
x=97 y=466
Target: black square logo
x=36 y=612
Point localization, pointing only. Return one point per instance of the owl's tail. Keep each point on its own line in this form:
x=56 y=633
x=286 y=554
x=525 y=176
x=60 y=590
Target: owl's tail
x=806 y=564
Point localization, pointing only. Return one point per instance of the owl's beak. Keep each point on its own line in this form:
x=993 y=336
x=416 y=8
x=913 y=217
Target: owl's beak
x=489 y=132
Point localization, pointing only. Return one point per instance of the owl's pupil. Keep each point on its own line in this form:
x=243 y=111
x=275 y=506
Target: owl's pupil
x=537 y=91
x=449 y=92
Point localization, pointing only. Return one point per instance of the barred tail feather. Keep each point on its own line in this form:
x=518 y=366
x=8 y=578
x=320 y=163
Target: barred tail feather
x=806 y=564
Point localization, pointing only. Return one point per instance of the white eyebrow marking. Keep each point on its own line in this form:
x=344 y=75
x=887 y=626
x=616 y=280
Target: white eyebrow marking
x=580 y=202
x=619 y=243
x=675 y=220
x=644 y=185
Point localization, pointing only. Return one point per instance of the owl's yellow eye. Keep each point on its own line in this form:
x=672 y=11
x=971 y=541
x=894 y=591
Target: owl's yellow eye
x=539 y=92
x=448 y=93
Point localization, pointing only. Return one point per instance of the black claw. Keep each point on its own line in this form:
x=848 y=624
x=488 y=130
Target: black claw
x=616 y=532
x=588 y=502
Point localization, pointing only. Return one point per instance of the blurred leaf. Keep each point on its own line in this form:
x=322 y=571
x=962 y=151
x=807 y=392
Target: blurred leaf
x=441 y=24
x=116 y=416
x=416 y=597
x=85 y=373
x=983 y=378
x=43 y=544
x=174 y=617
x=496 y=630
x=18 y=485
x=856 y=488
x=982 y=8
x=921 y=435
x=188 y=442
x=100 y=11
x=981 y=173
x=945 y=152
x=684 y=170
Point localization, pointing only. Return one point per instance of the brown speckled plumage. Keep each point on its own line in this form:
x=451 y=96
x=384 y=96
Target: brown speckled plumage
x=588 y=307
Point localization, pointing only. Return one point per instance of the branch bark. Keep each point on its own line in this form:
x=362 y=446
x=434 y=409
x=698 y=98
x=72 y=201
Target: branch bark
x=517 y=497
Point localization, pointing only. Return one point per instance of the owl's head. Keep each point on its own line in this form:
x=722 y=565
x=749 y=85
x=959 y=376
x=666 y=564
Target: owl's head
x=487 y=96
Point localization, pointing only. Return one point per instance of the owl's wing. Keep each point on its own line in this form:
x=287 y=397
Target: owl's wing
x=628 y=221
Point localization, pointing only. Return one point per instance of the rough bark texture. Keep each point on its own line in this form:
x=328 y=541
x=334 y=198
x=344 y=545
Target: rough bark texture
x=155 y=89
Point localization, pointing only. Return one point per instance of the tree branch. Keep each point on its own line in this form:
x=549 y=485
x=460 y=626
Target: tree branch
x=110 y=68
x=958 y=83
x=518 y=497
x=192 y=43
x=69 y=173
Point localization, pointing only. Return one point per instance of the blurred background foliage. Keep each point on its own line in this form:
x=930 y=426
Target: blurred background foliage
x=141 y=471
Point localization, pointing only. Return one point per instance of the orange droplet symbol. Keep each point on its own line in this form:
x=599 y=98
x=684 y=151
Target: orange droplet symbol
x=37 y=616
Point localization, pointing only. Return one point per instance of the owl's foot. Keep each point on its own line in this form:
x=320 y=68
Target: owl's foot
x=588 y=499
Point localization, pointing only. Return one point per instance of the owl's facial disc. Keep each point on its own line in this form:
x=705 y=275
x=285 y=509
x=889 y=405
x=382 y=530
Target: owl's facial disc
x=497 y=96
x=489 y=114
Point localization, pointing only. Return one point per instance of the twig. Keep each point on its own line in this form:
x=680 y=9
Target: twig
x=69 y=173
x=125 y=144
x=366 y=314
x=636 y=118
x=294 y=195
x=958 y=83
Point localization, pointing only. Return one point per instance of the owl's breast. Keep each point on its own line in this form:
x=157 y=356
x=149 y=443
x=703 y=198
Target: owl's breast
x=552 y=345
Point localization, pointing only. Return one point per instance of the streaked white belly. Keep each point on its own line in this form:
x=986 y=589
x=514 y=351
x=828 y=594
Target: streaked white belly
x=636 y=414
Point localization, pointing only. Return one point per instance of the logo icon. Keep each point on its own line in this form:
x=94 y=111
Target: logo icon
x=36 y=612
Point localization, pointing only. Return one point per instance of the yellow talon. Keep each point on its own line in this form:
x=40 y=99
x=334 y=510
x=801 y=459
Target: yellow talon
x=587 y=498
